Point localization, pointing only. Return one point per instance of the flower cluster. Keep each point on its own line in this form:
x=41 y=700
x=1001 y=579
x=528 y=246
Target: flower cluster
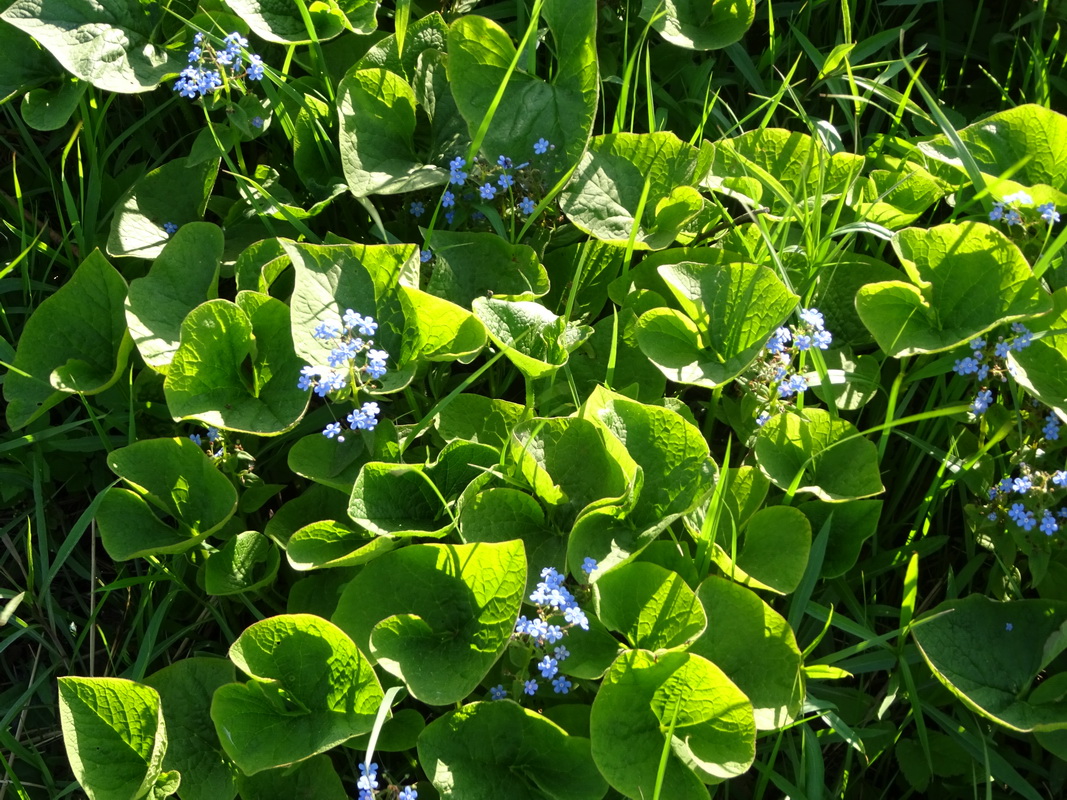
x=1029 y=500
x=989 y=360
x=1017 y=209
x=352 y=341
x=552 y=599
x=773 y=367
x=509 y=187
x=210 y=69
x=368 y=786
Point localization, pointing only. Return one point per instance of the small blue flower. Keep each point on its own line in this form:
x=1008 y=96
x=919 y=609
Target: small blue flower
x=779 y=340
x=561 y=653
x=448 y=200
x=456 y=173
x=589 y=565
x=504 y=161
x=822 y=339
x=761 y=420
x=1013 y=217
x=977 y=344
x=425 y=256
x=1008 y=626
x=257 y=122
x=1049 y=213
x=813 y=317
x=1052 y=427
x=255 y=68
x=198 y=38
x=530 y=687
x=408 y=793
x=1020 y=197
x=498 y=692
x=575 y=616
x=541 y=146
x=796 y=384
x=170 y=227
x=417 y=209
x=212 y=434
x=1048 y=523
x=561 y=685
x=367 y=327
x=527 y=206
x=537 y=629
x=326 y=331
x=195 y=437
x=332 y=430
x=1059 y=477
x=522 y=625
x=368 y=777
x=966 y=366
x=488 y=191
x=364 y=418
x=997 y=212
x=548 y=666
x=802 y=342
x=506 y=181
x=981 y=402
x=376 y=363
x=1022 y=339
x=195 y=54
x=210 y=81
x=1022 y=485
x=553 y=634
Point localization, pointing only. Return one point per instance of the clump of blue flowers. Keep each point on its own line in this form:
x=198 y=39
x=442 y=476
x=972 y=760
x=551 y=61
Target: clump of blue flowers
x=1018 y=210
x=774 y=372
x=988 y=362
x=369 y=789
x=557 y=613
x=351 y=365
x=1029 y=500
x=210 y=70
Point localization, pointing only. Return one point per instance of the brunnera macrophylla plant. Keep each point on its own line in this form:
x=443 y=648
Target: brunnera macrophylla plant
x=550 y=502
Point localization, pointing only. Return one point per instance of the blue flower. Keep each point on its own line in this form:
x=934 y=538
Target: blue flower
x=981 y=402
x=368 y=777
x=1048 y=523
x=575 y=616
x=997 y=212
x=966 y=366
x=212 y=434
x=426 y=255
x=548 y=666
x=796 y=384
x=822 y=339
x=1022 y=485
x=561 y=685
x=527 y=206
x=210 y=81
x=1052 y=427
x=813 y=317
x=1020 y=197
x=530 y=687
x=257 y=122
x=195 y=54
x=1014 y=217
x=450 y=216
x=506 y=181
x=488 y=191
x=408 y=793
x=364 y=418
x=376 y=363
x=541 y=146
x=326 y=331
x=1059 y=477
x=417 y=209
x=456 y=174
x=448 y=200
x=195 y=437
x=761 y=420
x=561 y=653
x=1022 y=339
x=522 y=625
x=802 y=342
x=498 y=692
x=779 y=340
x=504 y=162
x=170 y=227
x=589 y=565
x=255 y=68
x=1008 y=626
x=1049 y=213
x=553 y=634
x=365 y=325
x=332 y=430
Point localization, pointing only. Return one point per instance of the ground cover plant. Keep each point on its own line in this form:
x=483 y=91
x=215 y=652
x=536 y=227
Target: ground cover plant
x=542 y=399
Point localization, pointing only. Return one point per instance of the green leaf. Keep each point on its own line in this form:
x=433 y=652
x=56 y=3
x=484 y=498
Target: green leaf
x=315 y=778
x=437 y=616
x=23 y=63
x=180 y=279
x=649 y=605
x=1041 y=368
x=732 y=309
x=114 y=734
x=895 y=198
x=235 y=367
x=399 y=733
x=678 y=470
x=185 y=690
x=333 y=544
x=74 y=342
x=51 y=109
x=170 y=478
x=501 y=515
x=966 y=279
x=852 y=524
x=310 y=690
x=471 y=265
x=756 y=648
x=852 y=381
x=479 y=53
x=571 y=462
x=398 y=500
x=989 y=654
x=377 y=111
x=828 y=456
x=1027 y=140
x=331 y=463
x=713 y=734
x=779 y=169
x=606 y=192
x=746 y=489
x=774 y=553
x=429 y=32
x=534 y=339
x=330 y=279
x=699 y=25
x=281 y=21
x=485 y=751
x=175 y=192
x=474 y=418
x=104 y=42
x=247 y=562
x=439 y=330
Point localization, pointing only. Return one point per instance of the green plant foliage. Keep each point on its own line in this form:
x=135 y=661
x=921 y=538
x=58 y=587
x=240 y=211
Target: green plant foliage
x=310 y=690
x=436 y=616
x=116 y=738
x=472 y=265
x=965 y=280
x=247 y=562
x=699 y=26
x=104 y=42
x=315 y=777
x=676 y=701
x=650 y=606
x=534 y=339
x=486 y=750
x=278 y=21
x=774 y=552
x=75 y=341
x=998 y=684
